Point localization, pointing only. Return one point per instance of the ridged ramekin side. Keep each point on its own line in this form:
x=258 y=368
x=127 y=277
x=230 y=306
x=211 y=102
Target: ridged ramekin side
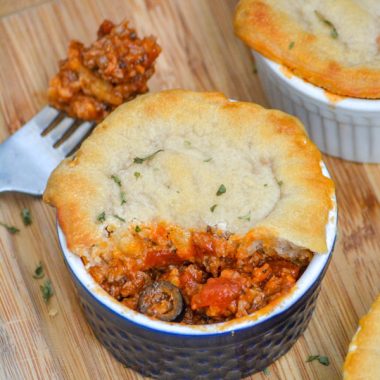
x=351 y=134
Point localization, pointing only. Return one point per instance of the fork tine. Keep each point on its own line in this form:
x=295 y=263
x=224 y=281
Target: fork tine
x=68 y=133
x=45 y=117
x=53 y=123
x=55 y=135
x=76 y=138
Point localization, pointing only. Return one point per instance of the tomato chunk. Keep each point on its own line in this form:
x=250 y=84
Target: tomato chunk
x=219 y=292
x=161 y=258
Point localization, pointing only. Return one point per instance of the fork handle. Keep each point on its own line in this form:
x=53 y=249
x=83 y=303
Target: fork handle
x=22 y=167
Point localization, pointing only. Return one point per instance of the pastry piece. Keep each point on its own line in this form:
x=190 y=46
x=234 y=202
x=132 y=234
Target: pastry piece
x=94 y=80
x=224 y=200
x=334 y=44
x=363 y=358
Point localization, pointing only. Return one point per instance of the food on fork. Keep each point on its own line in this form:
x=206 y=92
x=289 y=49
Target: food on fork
x=192 y=208
x=93 y=80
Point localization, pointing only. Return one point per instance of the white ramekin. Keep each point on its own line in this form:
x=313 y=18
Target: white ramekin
x=348 y=128
x=229 y=350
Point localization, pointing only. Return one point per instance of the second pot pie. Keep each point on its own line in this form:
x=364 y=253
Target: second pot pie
x=362 y=360
x=334 y=44
x=189 y=207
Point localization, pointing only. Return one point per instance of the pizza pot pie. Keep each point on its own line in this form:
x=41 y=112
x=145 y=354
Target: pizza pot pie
x=362 y=361
x=334 y=44
x=191 y=208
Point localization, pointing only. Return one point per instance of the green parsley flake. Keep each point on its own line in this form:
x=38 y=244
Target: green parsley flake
x=26 y=217
x=137 y=174
x=222 y=189
x=208 y=159
x=137 y=229
x=119 y=217
x=116 y=179
x=101 y=217
x=46 y=290
x=139 y=160
x=39 y=272
x=333 y=31
x=266 y=371
x=212 y=208
x=280 y=183
x=187 y=143
x=291 y=45
x=123 y=200
x=246 y=217
x=265 y=184
x=324 y=360
x=11 y=229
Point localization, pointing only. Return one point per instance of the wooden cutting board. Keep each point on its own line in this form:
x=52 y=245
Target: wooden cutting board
x=200 y=52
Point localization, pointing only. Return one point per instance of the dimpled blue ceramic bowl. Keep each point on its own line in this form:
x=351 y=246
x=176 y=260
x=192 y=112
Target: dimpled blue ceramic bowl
x=229 y=350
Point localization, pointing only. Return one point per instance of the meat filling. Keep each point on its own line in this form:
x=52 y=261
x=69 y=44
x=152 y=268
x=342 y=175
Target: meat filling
x=218 y=277
x=94 y=80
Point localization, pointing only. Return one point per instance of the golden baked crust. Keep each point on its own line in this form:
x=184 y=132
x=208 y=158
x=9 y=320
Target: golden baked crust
x=274 y=186
x=333 y=44
x=363 y=358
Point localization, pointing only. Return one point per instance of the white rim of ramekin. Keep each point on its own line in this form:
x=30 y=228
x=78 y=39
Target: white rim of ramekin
x=318 y=93
x=305 y=282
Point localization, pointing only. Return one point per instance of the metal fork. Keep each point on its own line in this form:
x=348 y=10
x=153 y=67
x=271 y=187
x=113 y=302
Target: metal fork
x=28 y=157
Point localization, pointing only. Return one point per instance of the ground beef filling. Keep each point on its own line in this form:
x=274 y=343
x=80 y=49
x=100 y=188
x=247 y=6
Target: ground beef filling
x=218 y=282
x=94 y=80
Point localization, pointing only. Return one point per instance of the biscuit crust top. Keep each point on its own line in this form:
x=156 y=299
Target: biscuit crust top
x=194 y=160
x=362 y=361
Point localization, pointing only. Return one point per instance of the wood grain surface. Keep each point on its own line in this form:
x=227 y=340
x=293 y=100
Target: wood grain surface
x=200 y=52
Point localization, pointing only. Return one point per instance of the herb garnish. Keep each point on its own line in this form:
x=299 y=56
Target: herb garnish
x=222 y=189
x=11 y=229
x=137 y=229
x=333 y=31
x=39 y=272
x=26 y=217
x=46 y=290
x=101 y=217
x=116 y=179
x=280 y=183
x=266 y=371
x=119 y=217
x=324 y=360
x=291 y=45
x=187 y=143
x=246 y=217
x=265 y=184
x=123 y=200
x=137 y=174
x=208 y=159
x=212 y=208
x=139 y=160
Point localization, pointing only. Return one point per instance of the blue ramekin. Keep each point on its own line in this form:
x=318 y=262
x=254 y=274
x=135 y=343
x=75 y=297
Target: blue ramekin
x=229 y=350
